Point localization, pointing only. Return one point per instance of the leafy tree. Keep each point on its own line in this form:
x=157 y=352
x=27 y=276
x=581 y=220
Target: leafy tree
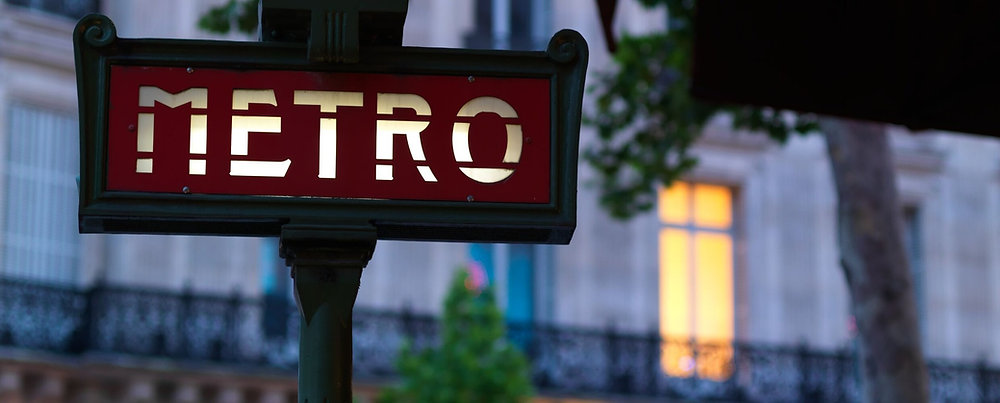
x=646 y=121
x=646 y=118
x=474 y=362
x=238 y=14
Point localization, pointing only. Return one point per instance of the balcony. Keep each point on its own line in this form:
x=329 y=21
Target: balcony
x=250 y=337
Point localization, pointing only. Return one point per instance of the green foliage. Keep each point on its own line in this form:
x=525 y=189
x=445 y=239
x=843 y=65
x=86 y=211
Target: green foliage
x=221 y=19
x=646 y=119
x=474 y=362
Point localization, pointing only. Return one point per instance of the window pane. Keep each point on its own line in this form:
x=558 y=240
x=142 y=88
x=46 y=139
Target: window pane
x=41 y=242
x=714 y=303
x=520 y=24
x=914 y=251
x=714 y=286
x=677 y=358
x=675 y=301
x=520 y=283
x=674 y=204
x=715 y=361
x=69 y=8
x=675 y=283
x=713 y=206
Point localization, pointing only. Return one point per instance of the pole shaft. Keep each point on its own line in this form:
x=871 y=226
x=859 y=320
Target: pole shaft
x=326 y=265
x=325 y=355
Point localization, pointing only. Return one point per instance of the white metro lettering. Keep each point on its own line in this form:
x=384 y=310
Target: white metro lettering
x=460 y=139
x=148 y=97
x=244 y=125
x=386 y=128
x=328 y=102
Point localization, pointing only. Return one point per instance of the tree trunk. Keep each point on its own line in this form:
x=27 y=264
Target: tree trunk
x=874 y=261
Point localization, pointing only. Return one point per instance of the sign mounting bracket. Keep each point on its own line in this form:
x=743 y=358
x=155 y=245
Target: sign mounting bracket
x=334 y=30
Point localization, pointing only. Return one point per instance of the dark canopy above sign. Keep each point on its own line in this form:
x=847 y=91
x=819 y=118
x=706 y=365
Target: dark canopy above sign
x=923 y=64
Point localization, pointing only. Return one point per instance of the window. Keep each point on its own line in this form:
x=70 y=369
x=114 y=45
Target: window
x=68 y=8
x=912 y=238
x=276 y=285
x=526 y=273
x=510 y=24
x=696 y=280
x=40 y=239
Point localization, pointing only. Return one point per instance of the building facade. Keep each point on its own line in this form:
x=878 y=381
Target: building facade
x=742 y=253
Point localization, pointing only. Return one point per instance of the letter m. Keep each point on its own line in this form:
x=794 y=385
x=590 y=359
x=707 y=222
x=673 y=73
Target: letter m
x=148 y=97
x=197 y=97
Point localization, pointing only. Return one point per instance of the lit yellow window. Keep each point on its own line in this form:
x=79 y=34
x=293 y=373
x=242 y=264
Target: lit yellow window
x=696 y=280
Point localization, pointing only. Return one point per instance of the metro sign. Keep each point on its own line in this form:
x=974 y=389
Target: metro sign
x=240 y=138
x=337 y=135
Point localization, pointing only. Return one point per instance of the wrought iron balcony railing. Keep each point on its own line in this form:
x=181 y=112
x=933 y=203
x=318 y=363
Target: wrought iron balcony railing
x=253 y=333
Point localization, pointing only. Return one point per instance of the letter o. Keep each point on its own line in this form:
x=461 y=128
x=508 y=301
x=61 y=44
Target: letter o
x=460 y=139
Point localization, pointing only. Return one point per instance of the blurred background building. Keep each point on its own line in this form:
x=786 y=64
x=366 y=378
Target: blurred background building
x=729 y=289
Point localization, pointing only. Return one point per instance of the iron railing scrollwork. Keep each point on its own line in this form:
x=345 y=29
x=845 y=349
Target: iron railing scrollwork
x=263 y=333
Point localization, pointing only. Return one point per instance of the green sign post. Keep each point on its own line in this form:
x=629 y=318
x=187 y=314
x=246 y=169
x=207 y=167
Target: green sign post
x=331 y=135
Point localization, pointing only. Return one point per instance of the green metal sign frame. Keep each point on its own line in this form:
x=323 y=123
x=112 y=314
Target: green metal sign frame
x=98 y=48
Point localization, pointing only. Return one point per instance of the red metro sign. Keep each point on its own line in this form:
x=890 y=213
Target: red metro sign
x=243 y=138
x=336 y=135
